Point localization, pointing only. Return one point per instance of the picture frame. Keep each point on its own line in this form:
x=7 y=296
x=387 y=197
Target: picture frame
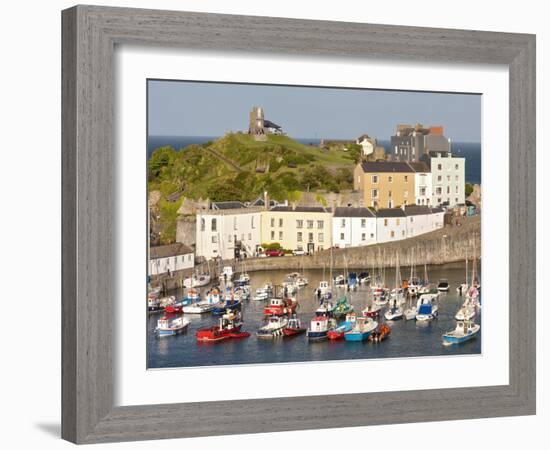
x=90 y=34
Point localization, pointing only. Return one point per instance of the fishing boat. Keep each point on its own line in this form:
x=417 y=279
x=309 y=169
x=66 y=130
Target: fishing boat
x=380 y=297
x=464 y=331
x=466 y=312
x=342 y=308
x=361 y=330
x=229 y=302
x=213 y=296
x=293 y=327
x=171 y=326
x=229 y=327
x=395 y=312
x=192 y=296
x=174 y=309
x=196 y=280
x=340 y=329
x=443 y=285
x=273 y=327
x=319 y=327
x=426 y=307
x=326 y=308
x=198 y=308
x=298 y=279
x=381 y=333
x=410 y=312
x=372 y=310
x=414 y=286
x=289 y=286
x=280 y=306
x=264 y=292
x=324 y=287
x=242 y=280
x=226 y=275
x=153 y=305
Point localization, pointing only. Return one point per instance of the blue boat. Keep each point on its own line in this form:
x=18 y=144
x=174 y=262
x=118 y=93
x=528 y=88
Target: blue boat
x=352 y=281
x=362 y=329
x=229 y=303
x=426 y=307
x=319 y=328
x=464 y=331
x=171 y=327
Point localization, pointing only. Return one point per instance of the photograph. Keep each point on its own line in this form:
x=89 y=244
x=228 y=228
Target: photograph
x=293 y=224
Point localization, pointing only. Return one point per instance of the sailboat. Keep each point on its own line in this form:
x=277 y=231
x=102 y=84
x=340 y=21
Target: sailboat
x=462 y=288
x=395 y=312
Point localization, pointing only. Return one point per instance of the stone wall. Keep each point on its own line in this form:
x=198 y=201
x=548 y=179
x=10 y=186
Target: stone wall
x=186 y=230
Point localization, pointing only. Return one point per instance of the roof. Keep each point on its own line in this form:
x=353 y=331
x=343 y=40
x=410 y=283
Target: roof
x=228 y=205
x=437 y=210
x=417 y=210
x=386 y=166
x=353 y=212
x=390 y=212
x=261 y=202
x=270 y=124
x=394 y=166
x=164 y=251
x=301 y=209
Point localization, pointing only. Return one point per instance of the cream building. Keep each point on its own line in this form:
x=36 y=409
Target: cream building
x=448 y=174
x=170 y=258
x=303 y=228
x=353 y=227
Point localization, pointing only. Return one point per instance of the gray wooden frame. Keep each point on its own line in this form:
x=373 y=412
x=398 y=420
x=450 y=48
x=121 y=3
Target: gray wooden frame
x=89 y=36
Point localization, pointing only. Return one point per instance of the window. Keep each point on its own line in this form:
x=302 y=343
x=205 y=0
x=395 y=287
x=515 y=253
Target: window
x=412 y=219
x=448 y=178
x=390 y=179
x=456 y=177
x=438 y=191
x=234 y=223
x=310 y=237
x=374 y=193
x=363 y=223
x=397 y=222
x=448 y=189
x=406 y=178
x=439 y=200
x=320 y=224
x=272 y=222
x=406 y=194
x=375 y=179
x=299 y=224
x=385 y=222
x=342 y=237
x=273 y=235
x=310 y=223
x=389 y=193
x=372 y=235
x=203 y=223
x=214 y=239
x=456 y=189
x=343 y=223
x=280 y=235
x=229 y=238
x=252 y=222
x=439 y=178
x=422 y=191
x=249 y=236
x=390 y=204
x=439 y=167
x=214 y=225
x=405 y=202
x=392 y=234
x=456 y=166
x=320 y=237
x=299 y=236
x=363 y=236
x=456 y=200
x=280 y=222
x=402 y=232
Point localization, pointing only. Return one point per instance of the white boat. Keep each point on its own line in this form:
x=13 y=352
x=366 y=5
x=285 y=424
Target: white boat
x=198 y=308
x=325 y=309
x=427 y=308
x=319 y=328
x=464 y=331
x=443 y=285
x=324 y=287
x=226 y=275
x=273 y=327
x=372 y=310
x=466 y=312
x=394 y=313
x=196 y=280
x=409 y=314
x=213 y=296
x=171 y=327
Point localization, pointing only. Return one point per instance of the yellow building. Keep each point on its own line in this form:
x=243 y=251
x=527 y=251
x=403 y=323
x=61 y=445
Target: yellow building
x=386 y=184
x=297 y=228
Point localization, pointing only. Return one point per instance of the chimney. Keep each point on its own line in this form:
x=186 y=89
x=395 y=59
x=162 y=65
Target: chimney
x=293 y=206
x=266 y=201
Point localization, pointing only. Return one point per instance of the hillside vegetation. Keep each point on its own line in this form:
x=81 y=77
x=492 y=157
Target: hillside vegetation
x=236 y=167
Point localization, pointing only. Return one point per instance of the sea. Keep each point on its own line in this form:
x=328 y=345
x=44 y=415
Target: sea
x=469 y=150
x=407 y=338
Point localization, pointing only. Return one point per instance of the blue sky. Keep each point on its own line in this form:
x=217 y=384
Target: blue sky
x=182 y=108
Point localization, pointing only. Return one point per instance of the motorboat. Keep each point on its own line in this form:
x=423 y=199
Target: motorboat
x=196 y=280
x=372 y=310
x=229 y=327
x=339 y=331
x=443 y=285
x=464 y=331
x=426 y=307
x=171 y=326
x=342 y=308
x=280 y=306
x=395 y=312
x=361 y=330
x=273 y=327
x=319 y=327
x=293 y=327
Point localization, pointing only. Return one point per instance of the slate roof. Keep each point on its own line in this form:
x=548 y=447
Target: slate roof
x=353 y=212
x=300 y=209
x=386 y=166
x=228 y=205
x=165 y=251
x=390 y=212
x=270 y=124
x=417 y=210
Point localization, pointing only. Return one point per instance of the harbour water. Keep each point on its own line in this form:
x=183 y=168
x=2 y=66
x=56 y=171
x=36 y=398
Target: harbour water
x=407 y=339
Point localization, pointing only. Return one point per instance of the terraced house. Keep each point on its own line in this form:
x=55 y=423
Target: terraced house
x=306 y=228
x=385 y=184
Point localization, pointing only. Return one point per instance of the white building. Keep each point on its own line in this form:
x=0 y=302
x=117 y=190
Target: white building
x=422 y=219
x=170 y=258
x=367 y=143
x=228 y=230
x=448 y=173
x=423 y=186
x=391 y=225
x=353 y=227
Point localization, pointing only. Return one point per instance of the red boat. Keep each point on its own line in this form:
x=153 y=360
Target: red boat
x=380 y=334
x=293 y=327
x=229 y=327
x=372 y=311
x=280 y=306
x=171 y=309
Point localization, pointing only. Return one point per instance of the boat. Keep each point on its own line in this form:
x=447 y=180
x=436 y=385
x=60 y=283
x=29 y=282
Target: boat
x=192 y=296
x=242 y=280
x=273 y=327
x=372 y=310
x=466 y=312
x=174 y=309
x=198 y=308
x=229 y=302
x=213 y=296
x=342 y=308
x=153 y=305
x=196 y=280
x=361 y=330
x=298 y=279
x=293 y=327
x=319 y=327
x=443 y=285
x=226 y=275
x=464 y=331
x=394 y=313
x=381 y=333
x=426 y=307
x=339 y=331
x=229 y=327
x=264 y=292
x=410 y=312
x=324 y=287
x=414 y=286
x=289 y=287
x=363 y=277
x=171 y=326
x=352 y=281
x=339 y=281
x=326 y=308
x=380 y=297
x=280 y=306
x=242 y=293
x=462 y=288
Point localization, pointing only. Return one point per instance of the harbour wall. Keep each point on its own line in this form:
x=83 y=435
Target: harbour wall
x=451 y=244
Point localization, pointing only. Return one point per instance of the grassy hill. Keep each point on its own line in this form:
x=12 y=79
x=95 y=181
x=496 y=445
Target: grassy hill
x=236 y=167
